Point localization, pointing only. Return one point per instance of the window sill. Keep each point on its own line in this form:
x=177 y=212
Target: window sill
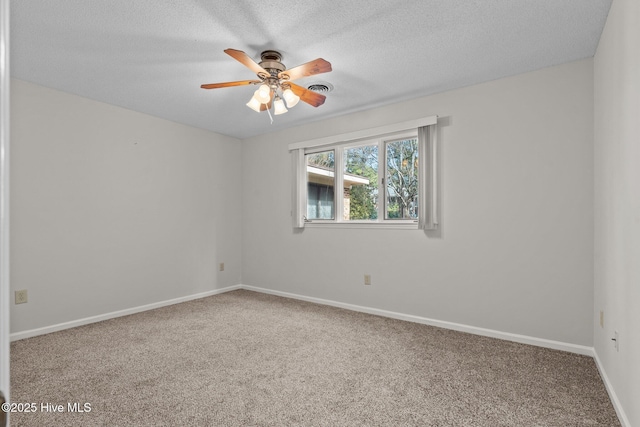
x=395 y=225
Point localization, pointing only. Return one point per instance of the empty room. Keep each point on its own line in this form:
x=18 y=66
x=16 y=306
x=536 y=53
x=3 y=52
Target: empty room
x=175 y=248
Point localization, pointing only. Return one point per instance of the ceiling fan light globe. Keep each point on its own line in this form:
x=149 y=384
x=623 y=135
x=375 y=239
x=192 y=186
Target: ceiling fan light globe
x=263 y=94
x=278 y=107
x=291 y=98
x=254 y=104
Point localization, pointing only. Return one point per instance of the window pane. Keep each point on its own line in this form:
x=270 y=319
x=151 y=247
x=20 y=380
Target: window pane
x=401 y=179
x=361 y=183
x=320 y=185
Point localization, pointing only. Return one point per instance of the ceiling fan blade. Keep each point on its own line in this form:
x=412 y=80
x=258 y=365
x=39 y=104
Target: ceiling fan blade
x=229 y=84
x=246 y=60
x=310 y=97
x=317 y=66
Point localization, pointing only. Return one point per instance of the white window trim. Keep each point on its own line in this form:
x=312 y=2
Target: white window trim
x=365 y=133
x=386 y=224
x=428 y=194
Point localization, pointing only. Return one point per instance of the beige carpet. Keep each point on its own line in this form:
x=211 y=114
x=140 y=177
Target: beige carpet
x=248 y=359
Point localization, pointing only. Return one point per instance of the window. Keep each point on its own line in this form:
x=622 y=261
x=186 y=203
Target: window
x=320 y=185
x=361 y=183
x=401 y=179
x=381 y=179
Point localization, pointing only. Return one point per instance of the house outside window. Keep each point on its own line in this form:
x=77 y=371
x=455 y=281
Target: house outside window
x=321 y=183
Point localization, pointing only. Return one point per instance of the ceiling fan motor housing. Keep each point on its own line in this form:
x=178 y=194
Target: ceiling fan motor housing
x=271 y=62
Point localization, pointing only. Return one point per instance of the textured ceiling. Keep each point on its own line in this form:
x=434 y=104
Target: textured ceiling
x=152 y=56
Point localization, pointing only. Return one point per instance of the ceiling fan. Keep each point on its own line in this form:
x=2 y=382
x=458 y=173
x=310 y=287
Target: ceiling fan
x=275 y=81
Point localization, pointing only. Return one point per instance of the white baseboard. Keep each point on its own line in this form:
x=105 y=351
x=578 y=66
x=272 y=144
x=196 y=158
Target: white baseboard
x=524 y=339
x=622 y=416
x=93 y=319
x=540 y=342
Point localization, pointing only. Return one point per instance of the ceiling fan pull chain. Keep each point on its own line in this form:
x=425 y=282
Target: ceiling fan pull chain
x=270 y=116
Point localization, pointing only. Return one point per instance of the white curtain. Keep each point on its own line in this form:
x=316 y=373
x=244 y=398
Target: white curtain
x=428 y=176
x=299 y=179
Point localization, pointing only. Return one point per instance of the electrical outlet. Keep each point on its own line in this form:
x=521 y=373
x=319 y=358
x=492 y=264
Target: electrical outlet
x=221 y=268
x=21 y=296
x=601 y=318
x=367 y=279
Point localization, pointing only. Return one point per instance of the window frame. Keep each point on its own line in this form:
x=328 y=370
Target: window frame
x=335 y=192
x=340 y=143
x=383 y=170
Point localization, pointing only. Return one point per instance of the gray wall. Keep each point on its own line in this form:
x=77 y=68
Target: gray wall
x=113 y=209
x=516 y=251
x=617 y=203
